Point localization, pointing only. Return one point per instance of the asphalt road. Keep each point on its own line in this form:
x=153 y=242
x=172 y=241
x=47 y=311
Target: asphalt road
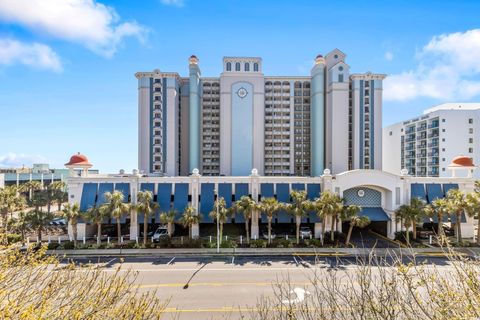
x=225 y=287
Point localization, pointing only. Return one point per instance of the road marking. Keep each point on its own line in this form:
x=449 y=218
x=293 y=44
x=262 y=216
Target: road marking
x=296 y=262
x=300 y=295
x=233 y=309
x=169 y=262
x=218 y=284
x=233 y=259
x=321 y=254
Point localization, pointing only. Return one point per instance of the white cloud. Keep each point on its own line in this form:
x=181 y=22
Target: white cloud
x=177 y=3
x=388 y=56
x=12 y=160
x=448 y=69
x=36 y=55
x=87 y=22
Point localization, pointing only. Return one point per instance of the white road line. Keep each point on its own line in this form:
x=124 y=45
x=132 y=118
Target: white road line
x=233 y=260
x=296 y=262
x=169 y=262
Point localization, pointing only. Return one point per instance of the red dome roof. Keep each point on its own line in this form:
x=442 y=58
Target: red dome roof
x=78 y=159
x=462 y=161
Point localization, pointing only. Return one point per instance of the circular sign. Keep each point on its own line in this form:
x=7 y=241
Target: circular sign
x=242 y=92
x=361 y=193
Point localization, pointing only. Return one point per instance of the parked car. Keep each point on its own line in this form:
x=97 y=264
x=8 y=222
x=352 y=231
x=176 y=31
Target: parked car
x=160 y=233
x=305 y=232
x=265 y=234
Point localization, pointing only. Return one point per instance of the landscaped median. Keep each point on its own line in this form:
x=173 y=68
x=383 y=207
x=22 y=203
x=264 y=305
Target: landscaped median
x=335 y=252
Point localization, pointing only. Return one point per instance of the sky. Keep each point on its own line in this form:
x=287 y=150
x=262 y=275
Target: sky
x=67 y=67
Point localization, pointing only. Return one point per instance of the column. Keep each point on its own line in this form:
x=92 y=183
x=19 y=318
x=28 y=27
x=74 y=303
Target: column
x=317 y=117
x=194 y=120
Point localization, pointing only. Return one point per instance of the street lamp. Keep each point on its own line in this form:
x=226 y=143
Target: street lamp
x=218 y=225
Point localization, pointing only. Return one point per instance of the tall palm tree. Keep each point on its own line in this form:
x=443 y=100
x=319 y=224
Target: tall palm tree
x=270 y=206
x=117 y=208
x=247 y=206
x=97 y=215
x=146 y=206
x=457 y=203
x=31 y=187
x=328 y=205
x=37 y=218
x=20 y=224
x=417 y=205
x=351 y=213
x=59 y=194
x=473 y=209
x=189 y=219
x=168 y=218
x=10 y=201
x=220 y=212
x=71 y=213
x=438 y=208
x=405 y=214
x=298 y=208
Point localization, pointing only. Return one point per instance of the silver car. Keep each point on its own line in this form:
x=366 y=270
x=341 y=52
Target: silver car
x=160 y=233
x=305 y=232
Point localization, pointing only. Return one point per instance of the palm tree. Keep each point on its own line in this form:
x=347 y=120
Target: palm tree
x=298 y=208
x=220 y=212
x=417 y=205
x=328 y=205
x=473 y=209
x=10 y=201
x=20 y=224
x=405 y=214
x=246 y=205
x=189 y=219
x=71 y=213
x=458 y=204
x=117 y=208
x=270 y=206
x=31 y=187
x=145 y=205
x=438 y=208
x=169 y=219
x=37 y=218
x=97 y=215
x=59 y=194
x=351 y=213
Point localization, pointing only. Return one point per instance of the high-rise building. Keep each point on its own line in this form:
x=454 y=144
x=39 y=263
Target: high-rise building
x=426 y=145
x=279 y=125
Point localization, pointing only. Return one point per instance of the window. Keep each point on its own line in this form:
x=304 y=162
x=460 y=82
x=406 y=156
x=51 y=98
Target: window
x=237 y=66
x=247 y=66
x=443 y=130
x=470 y=140
x=391 y=133
x=470 y=120
x=443 y=120
x=443 y=149
x=470 y=130
x=470 y=150
x=443 y=159
x=229 y=66
x=443 y=140
x=340 y=77
x=255 y=66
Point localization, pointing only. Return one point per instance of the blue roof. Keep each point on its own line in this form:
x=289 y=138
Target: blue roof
x=375 y=214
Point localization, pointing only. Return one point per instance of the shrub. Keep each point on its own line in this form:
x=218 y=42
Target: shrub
x=53 y=246
x=13 y=238
x=282 y=243
x=68 y=245
x=258 y=243
x=313 y=243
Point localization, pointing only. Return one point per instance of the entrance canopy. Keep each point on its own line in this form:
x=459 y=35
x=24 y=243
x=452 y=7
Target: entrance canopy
x=375 y=214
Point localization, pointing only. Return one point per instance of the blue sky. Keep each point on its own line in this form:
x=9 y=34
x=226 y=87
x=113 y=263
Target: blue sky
x=67 y=66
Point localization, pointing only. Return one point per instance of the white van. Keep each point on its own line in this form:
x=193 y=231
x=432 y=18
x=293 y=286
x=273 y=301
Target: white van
x=160 y=233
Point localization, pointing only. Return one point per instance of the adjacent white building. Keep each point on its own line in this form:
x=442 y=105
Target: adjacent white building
x=243 y=119
x=426 y=145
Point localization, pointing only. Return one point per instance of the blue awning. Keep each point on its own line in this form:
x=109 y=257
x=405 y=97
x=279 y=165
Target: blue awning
x=180 y=199
x=125 y=189
x=417 y=190
x=164 y=199
x=241 y=189
x=283 y=195
x=434 y=191
x=446 y=218
x=89 y=193
x=146 y=187
x=449 y=186
x=313 y=192
x=374 y=214
x=206 y=201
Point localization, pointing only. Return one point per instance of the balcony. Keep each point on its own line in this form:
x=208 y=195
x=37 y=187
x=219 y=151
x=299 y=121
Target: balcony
x=421 y=146
x=432 y=125
x=408 y=148
x=422 y=127
x=410 y=130
x=433 y=144
x=433 y=134
x=410 y=139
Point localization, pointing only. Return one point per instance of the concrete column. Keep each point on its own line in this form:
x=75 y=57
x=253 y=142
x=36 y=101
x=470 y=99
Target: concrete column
x=134 y=227
x=194 y=112
x=254 y=188
x=317 y=118
x=195 y=191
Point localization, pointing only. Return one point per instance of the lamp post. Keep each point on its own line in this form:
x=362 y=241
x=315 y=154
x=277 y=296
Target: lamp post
x=218 y=225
